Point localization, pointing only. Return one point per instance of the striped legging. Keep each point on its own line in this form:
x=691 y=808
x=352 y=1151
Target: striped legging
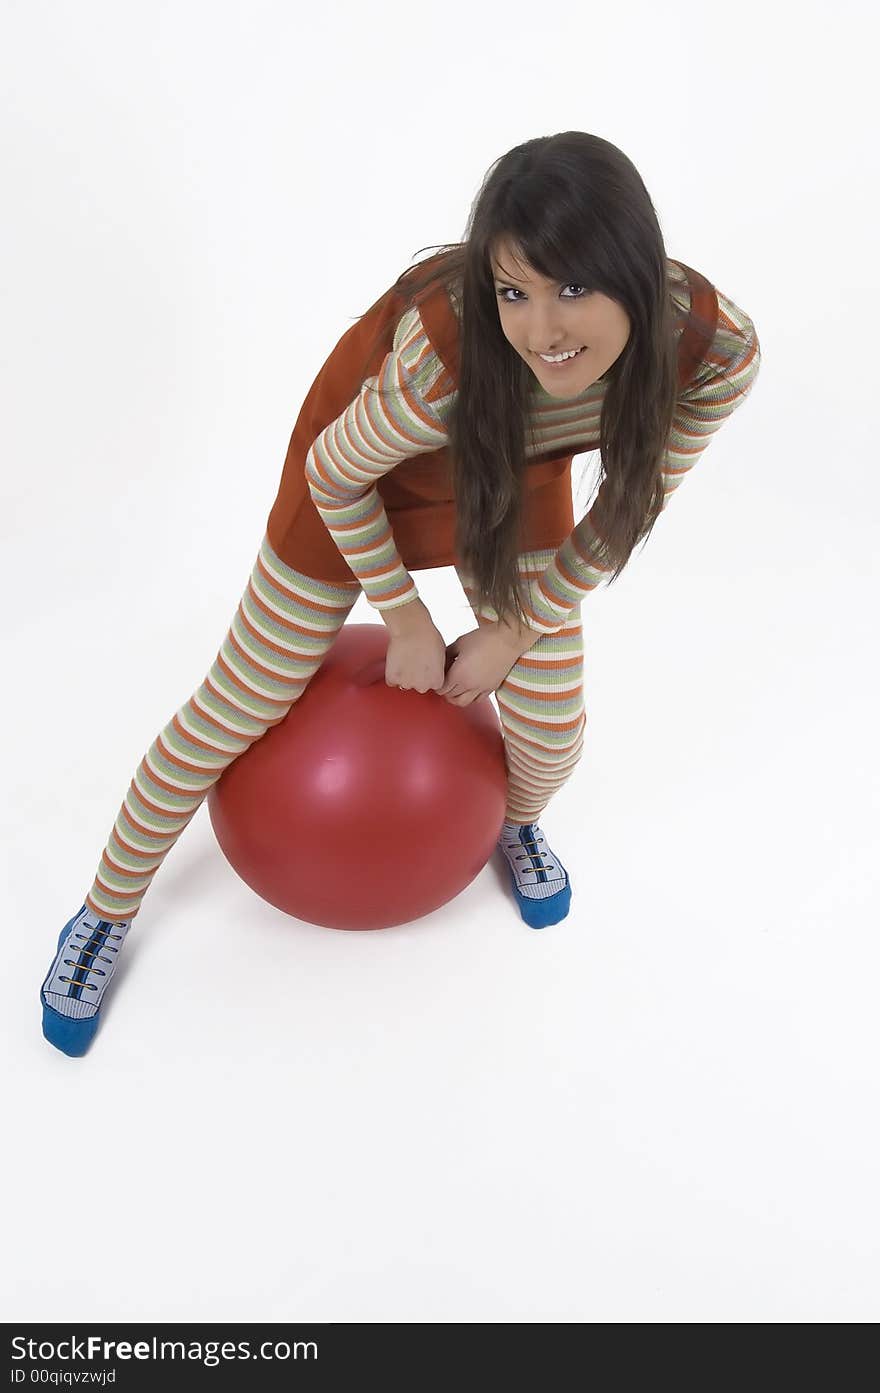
x=285 y=623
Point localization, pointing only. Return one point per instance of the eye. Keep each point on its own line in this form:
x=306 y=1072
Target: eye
x=509 y=289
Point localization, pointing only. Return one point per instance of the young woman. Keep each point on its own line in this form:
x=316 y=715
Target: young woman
x=440 y=431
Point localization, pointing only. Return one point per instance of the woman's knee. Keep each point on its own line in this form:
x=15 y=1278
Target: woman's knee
x=550 y=741
x=541 y=700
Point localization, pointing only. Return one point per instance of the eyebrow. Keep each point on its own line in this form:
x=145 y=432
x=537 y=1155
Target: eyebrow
x=510 y=279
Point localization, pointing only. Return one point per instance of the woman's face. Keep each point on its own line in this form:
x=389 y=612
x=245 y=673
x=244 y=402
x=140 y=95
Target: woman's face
x=539 y=316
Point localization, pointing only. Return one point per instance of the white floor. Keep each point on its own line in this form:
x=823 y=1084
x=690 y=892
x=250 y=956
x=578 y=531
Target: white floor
x=661 y=1109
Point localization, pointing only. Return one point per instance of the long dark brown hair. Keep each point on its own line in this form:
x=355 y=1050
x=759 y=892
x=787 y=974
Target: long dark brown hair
x=575 y=209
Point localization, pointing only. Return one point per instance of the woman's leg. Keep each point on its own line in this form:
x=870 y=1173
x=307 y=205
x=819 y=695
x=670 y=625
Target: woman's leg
x=284 y=626
x=541 y=705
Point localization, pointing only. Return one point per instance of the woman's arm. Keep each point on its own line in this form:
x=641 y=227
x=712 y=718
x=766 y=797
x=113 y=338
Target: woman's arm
x=702 y=409
x=375 y=433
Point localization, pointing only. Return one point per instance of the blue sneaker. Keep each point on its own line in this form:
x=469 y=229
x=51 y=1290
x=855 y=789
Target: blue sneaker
x=71 y=995
x=540 y=882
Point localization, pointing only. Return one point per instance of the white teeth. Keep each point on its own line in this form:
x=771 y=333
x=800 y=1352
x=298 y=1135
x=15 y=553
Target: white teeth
x=559 y=357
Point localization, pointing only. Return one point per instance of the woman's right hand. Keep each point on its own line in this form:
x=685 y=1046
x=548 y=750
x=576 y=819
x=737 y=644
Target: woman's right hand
x=416 y=657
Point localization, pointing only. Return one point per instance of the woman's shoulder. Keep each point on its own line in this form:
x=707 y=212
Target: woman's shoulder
x=735 y=328
x=420 y=357
x=734 y=351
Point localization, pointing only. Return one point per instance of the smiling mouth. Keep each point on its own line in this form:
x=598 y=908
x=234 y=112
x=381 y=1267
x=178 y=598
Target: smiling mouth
x=557 y=362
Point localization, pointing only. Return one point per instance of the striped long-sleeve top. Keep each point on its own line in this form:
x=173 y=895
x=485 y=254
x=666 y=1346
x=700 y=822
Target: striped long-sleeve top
x=408 y=417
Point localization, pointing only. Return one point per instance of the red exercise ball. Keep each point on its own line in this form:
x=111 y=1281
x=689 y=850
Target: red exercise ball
x=366 y=806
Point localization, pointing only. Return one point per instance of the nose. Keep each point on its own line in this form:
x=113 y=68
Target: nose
x=545 y=333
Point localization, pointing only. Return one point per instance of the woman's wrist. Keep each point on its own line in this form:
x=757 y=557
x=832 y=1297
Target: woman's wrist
x=517 y=636
x=403 y=618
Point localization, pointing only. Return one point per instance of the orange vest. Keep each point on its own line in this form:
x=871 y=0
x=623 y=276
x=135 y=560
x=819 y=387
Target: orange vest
x=418 y=493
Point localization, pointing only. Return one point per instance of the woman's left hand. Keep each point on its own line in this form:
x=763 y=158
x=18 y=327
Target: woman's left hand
x=481 y=661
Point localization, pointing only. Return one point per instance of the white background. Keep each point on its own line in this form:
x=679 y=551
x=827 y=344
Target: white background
x=662 y=1109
